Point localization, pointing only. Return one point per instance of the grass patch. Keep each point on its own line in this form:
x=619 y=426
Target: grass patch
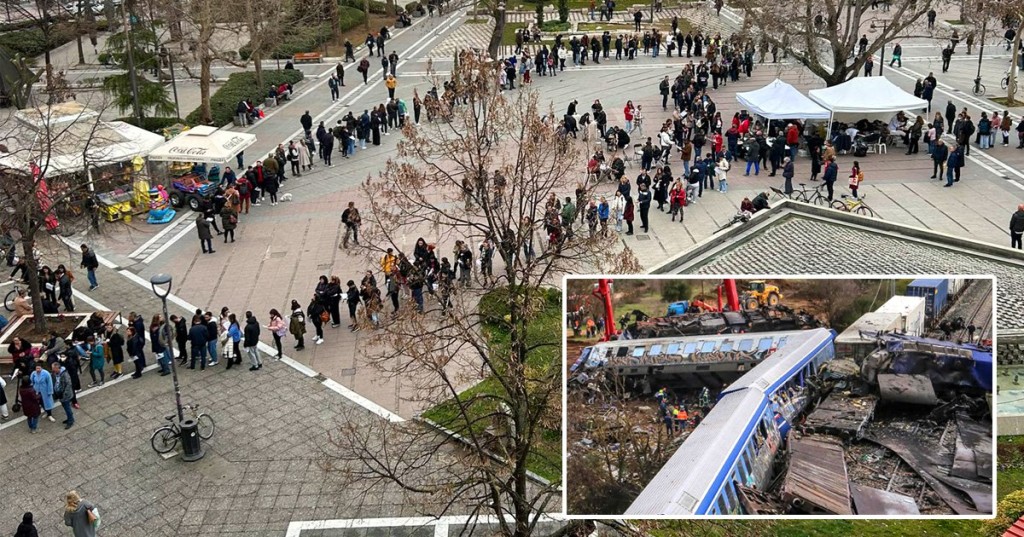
x=1006 y=102
x=621 y=27
x=546 y=456
x=508 y=36
x=876 y=528
x=555 y=26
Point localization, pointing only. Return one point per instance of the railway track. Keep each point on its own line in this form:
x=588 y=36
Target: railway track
x=974 y=306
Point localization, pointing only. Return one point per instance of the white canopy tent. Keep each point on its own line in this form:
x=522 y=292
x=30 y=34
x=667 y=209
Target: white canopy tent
x=780 y=100
x=870 y=97
x=203 y=144
x=68 y=138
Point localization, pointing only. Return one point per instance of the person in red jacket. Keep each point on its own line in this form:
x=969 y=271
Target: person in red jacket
x=627 y=112
x=31 y=404
x=792 y=139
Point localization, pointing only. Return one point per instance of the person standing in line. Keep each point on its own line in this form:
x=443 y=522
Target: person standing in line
x=352 y=298
x=278 y=329
x=644 y=199
x=314 y=311
x=212 y=333
x=297 y=325
x=181 y=338
x=31 y=403
x=62 y=389
x=830 y=176
x=197 y=338
x=81 y=516
x=42 y=383
x=137 y=351
x=159 y=345
x=234 y=333
x=252 y=340
x=114 y=341
x=1017 y=227
x=90 y=264
x=787 y=173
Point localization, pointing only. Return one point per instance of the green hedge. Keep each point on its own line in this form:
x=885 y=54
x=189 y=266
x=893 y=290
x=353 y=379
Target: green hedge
x=377 y=8
x=242 y=86
x=154 y=124
x=30 y=41
x=411 y=7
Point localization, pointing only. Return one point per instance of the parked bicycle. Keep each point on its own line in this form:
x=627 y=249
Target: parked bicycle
x=165 y=439
x=11 y=295
x=853 y=205
x=815 y=197
x=979 y=88
x=1009 y=81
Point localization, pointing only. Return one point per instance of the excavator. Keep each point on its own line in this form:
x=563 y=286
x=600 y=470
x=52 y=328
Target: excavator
x=760 y=294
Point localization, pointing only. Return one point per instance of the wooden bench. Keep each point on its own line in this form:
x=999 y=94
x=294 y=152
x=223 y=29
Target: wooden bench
x=308 y=57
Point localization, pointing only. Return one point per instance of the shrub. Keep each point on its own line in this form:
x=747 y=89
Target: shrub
x=676 y=290
x=242 y=86
x=376 y=7
x=555 y=26
x=1009 y=509
x=412 y=7
x=154 y=124
x=29 y=42
x=540 y=14
x=350 y=17
x=563 y=11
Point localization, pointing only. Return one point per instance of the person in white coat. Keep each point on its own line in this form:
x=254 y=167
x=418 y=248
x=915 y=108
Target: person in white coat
x=721 y=172
x=618 y=210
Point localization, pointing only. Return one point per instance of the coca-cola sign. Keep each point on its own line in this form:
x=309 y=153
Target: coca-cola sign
x=188 y=151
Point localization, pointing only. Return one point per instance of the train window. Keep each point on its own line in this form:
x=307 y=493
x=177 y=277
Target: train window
x=730 y=491
x=726 y=346
x=764 y=344
x=782 y=341
x=762 y=429
x=673 y=348
x=746 y=345
x=638 y=352
x=655 y=350
x=722 y=507
x=621 y=351
x=689 y=348
x=708 y=346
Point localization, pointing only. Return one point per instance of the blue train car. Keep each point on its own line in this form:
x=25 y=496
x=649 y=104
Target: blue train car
x=935 y=293
x=738 y=440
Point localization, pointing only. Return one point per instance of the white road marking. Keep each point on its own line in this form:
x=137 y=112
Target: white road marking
x=163 y=248
x=157 y=237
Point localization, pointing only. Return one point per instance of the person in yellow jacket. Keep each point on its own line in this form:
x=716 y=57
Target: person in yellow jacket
x=391 y=82
x=388 y=263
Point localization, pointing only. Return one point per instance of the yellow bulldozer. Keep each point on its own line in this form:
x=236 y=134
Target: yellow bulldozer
x=759 y=293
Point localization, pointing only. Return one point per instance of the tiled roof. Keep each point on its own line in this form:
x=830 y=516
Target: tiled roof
x=795 y=238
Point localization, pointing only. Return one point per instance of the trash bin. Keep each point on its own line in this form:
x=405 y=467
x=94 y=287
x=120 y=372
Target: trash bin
x=193 y=450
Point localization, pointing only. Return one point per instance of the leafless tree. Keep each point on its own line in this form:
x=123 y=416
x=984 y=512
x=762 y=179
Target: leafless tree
x=443 y=179
x=40 y=193
x=823 y=35
x=1010 y=13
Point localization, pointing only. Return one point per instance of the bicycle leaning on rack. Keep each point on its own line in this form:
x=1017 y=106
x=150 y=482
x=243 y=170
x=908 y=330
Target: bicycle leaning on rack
x=853 y=205
x=979 y=88
x=165 y=439
x=1009 y=81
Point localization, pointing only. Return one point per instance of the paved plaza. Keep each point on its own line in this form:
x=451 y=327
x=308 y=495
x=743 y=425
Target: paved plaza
x=263 y=473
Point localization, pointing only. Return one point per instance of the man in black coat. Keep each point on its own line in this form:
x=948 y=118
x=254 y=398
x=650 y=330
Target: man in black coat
x=1017 y=227
x=830 y=176
x=197 y=337
x=307 y=121
x=250 y=339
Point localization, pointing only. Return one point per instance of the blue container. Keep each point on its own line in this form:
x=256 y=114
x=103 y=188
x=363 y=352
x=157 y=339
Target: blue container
x=678 y=308
x=934 y=292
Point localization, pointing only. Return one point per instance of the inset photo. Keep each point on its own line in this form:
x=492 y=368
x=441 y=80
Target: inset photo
x=851 y=397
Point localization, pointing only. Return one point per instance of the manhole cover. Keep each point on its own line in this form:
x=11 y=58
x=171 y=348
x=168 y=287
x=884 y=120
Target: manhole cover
x=277 y=255
x=348 y=371
x=115 y=419
x=643 y=237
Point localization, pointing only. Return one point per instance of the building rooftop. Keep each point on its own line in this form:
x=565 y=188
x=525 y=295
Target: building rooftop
x=796 y=238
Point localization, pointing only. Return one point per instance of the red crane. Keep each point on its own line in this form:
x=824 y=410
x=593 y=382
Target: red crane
x=603 y=291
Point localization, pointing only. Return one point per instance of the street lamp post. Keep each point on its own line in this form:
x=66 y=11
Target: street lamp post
x=166 y=56
x=193 y=451
x=981 y=46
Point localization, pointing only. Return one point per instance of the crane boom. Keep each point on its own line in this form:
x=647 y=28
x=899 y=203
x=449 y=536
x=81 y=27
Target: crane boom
x=604 y=292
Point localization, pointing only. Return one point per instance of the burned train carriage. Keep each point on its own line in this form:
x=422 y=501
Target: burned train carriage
x=737 y=442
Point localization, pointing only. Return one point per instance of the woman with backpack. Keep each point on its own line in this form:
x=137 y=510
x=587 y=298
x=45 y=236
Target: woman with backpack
x=278 y=329
x=856 y=178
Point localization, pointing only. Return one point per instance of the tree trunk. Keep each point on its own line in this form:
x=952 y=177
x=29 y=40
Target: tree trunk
x=257 y=63
x=205 y=113
x=499 y=30
x=1012 y=87
x=389 y=8
x=366 y=10
x=32 y=274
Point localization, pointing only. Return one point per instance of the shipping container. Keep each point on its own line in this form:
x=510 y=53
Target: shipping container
x=852 y=344
x=955 y=286
x=912 y=311
x=934 y=292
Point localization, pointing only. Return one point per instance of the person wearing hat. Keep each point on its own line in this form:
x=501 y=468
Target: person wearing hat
x=26 y=528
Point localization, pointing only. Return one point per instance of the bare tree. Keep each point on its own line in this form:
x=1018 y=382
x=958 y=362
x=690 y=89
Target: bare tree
x=443 y=179
x=40 y=193
x=1011 y=14
x=823 y=35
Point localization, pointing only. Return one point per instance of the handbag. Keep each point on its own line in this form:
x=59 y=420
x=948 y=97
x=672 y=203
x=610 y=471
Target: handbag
x=325 y=316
